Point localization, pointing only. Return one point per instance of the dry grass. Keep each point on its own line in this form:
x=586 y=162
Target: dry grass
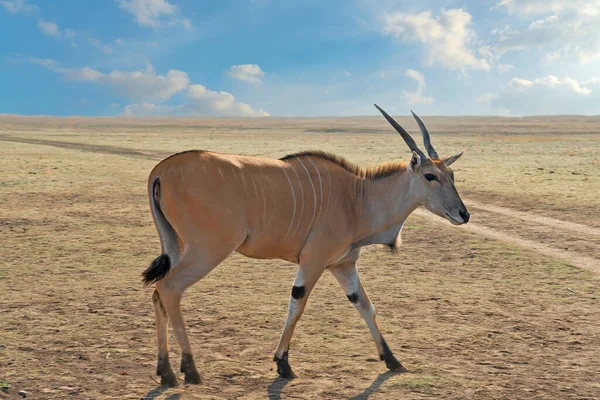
x=469 y=316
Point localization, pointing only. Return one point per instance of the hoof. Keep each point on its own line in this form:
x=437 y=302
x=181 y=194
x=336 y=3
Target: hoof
x=399 y=368
x=169 y=380
x=392 y=363
x=167 y=376
x=192 y=378
x=283 y=367
x=286 y=374
x=189 y=369
x=390 y=360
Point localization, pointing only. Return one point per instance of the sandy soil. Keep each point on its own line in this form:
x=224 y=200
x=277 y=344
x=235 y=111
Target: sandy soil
x=508 y=308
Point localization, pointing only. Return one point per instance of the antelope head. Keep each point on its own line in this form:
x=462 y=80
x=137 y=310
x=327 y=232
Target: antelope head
x=431 y=179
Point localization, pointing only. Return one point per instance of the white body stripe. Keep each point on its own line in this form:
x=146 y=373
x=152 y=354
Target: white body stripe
x=314 y=194
x=301 y=198
x=262 y=191
x=328 y=192
x=320 y=189
x=273 y=196
x=244 y=179
x=293 y=197
x=255 y=189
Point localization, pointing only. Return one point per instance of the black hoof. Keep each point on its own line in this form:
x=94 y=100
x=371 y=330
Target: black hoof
x=390 y=360
x=189 y=369
x=287 y=374
x=283 y=367
x=193 y=378
x=394 y=365
x=167 y=376
x=168 y=379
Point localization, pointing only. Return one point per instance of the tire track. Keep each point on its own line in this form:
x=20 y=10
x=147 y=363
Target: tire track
x=538 y=219
x=583 y=262
x=93 y=148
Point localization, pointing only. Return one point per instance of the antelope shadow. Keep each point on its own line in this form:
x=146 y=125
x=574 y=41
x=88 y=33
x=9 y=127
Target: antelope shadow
x=275 y=388
x=157 y=391
x=375 y=385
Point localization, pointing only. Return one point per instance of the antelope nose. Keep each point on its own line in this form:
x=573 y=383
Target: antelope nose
x=465 y=215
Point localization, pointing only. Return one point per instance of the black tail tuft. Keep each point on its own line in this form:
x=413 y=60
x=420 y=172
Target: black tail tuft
x=157 y=270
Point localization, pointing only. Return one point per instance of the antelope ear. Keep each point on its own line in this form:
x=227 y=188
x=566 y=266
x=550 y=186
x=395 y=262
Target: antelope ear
x=450 y=160
x=415 y=162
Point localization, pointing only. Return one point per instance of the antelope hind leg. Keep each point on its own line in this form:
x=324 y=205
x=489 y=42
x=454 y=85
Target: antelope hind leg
x=163 y=366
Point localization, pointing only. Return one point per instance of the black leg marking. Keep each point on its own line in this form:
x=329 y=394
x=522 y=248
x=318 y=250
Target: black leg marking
x=298 y=292
x=189 y=369
x=283 y=366
x=353 y=298
x=390 y=360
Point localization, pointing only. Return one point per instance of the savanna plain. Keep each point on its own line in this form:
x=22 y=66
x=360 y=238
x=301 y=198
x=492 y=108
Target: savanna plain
x=505 y=307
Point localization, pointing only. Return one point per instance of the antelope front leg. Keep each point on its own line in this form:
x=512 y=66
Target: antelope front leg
x=306 y=278
x=347 y=276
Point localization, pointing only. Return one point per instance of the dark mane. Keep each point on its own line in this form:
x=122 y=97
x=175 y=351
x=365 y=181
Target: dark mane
x=378 y=172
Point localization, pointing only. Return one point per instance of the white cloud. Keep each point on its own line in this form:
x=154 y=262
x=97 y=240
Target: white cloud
x=505 y=67
x=187 y=24
x=447 y=38
x=134 y=84
x=203 y=101
x=547 y=6
x=153 y=13
x=246 y=72
x=200 y=101
x=347 y=73
x=417 y=96
x=51 y=29
x=148 y=109
x=45 y=62
x=592 y=81
x=147 y=85
x=486 y=98
x=566 y=28
x=105 y=48
x=545 y=96
x=417 y=76
x=560 y=36
x=18 y=6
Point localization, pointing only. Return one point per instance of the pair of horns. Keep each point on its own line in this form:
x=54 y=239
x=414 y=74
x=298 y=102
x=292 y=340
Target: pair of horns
x=408 y=139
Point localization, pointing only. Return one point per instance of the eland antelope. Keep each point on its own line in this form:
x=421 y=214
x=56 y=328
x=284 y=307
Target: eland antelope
x=312 y=208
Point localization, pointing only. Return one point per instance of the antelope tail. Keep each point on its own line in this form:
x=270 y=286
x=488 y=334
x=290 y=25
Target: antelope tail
x=160 y=267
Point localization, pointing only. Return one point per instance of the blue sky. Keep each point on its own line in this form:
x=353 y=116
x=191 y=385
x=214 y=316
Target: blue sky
x=299 y=58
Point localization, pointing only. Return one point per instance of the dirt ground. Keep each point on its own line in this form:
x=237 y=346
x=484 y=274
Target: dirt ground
x=507 y=307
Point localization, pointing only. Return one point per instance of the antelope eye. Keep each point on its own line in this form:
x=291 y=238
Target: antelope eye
x=430 y=177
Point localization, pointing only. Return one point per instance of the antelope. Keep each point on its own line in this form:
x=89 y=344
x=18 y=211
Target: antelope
x=312 y=208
